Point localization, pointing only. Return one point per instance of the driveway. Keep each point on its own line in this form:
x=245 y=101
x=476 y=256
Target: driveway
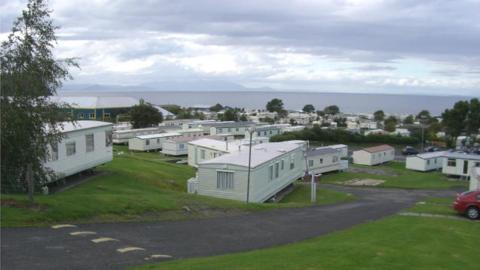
x=119 y=245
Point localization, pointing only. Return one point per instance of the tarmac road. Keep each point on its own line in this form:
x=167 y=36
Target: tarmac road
x=119 y=245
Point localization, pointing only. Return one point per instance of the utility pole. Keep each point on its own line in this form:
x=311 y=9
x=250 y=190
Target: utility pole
x=250 y=130
x=29 y=180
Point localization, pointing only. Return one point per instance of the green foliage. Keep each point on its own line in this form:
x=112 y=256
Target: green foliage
x=216 y=108
x=275 y=105
x=243 y=117
x=331 y=110
x=175 y=109
x=379 y=116
x=145 y=115
x=341 y=136
x=30 y=75
x=424 y=116
x=267 y=120
x=390 y=123
x=408 y=120
x=230 y=114
x=464 y=117
x=308 y=108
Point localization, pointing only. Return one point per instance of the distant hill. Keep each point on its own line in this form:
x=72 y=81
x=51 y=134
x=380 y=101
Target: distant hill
x=199 y=85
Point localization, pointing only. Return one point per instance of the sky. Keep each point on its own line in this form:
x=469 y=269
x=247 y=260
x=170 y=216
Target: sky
x=391 y=47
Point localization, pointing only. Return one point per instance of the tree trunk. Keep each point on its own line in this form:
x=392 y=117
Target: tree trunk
x=30 y=185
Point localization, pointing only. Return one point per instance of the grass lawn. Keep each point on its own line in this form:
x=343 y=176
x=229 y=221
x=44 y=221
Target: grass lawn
x=301 y=195
x=403 y=178
x=134 y=186
x=398 y=242
x=439 y=206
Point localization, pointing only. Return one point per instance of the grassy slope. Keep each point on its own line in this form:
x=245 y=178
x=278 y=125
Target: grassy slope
x=135 y=186
x=404 y=179
x=301 y=194
x=397 y=242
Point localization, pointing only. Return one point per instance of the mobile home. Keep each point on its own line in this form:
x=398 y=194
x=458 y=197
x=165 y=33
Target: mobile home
x=233 y=128
x=265 y=131
x=86 y=144
x=150 y=142
x=426 y=161
x=374 y=155
x=342 y=148
x=274 y=166
x=179 y=146
x=325 y=159
x=122 y=136
x=459 y=163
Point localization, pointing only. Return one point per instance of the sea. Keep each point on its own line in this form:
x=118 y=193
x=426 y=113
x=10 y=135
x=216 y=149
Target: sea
x=348 y=102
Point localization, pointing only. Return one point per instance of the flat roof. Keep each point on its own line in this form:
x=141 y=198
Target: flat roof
x=158 y=135
x=322 y=151
x=137 y=130
x=261 y=153
x=217 y=144
x=379 y=148
x=232 y=124
x=429 y=155
x=80 y=125
x=461 y=155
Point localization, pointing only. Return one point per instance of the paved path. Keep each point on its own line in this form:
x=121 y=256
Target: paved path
x=119 y=245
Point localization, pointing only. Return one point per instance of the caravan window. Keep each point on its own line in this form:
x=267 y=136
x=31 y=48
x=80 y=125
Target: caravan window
x=108 y=138
x=270 y=172
x=277 y=166
x=321 y=161
x=282 y=164
x=181 y=146
x=92 y=116
x=89 y=142
x=292 y=162
x=70 y=146
x=334 y=159
x=202 y=154
x=310 y=163
x=452 y=162
x=54 y=154
x=147 y=142
x=225 y=180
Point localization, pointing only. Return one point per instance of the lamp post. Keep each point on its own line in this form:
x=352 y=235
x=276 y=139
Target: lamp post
x=251 y=130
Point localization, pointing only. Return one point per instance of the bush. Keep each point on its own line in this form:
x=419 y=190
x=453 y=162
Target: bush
x=340 y=136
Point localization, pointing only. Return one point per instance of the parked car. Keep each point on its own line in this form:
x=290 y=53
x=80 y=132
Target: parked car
x=409 y=150
x=432 y=149
x=468 y=203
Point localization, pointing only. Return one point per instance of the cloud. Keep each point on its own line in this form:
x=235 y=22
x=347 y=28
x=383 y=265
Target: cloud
x=316 y=44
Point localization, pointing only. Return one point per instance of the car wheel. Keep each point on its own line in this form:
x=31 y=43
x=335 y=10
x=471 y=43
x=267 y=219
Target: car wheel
x=473 y=212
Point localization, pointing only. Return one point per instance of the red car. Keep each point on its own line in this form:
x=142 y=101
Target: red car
x=468 y=203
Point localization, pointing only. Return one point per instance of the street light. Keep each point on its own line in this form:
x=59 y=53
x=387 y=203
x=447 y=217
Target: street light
x=251 y=130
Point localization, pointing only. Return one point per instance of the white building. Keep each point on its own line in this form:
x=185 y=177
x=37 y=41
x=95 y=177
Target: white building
x=374 y=155
x=475 y=179
x=207 y=148
x=459 y=164
x=123 y=135
x=233 y=128
x=425 y=161
x=265 y=131
x=375 y=132
x=403 y=132
x=150 y=142
x=179 y=146
x=86 y=145
x=274 y=166
x=325 y=159
x=191 y=133
x=342 y=148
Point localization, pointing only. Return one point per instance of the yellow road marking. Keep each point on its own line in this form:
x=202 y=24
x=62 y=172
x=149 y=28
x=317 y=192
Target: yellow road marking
x=103 y=239
x=128 y=249
x=82 y=233
x=60 y=226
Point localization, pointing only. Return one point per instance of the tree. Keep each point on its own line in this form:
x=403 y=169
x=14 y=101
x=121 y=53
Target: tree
x=30 y=121
x=230 y=114
x=424 y=117
x=275 y=105
x=145 y=115
x=408 y=120
x=379 y=116
x=243 y=117
x=216 y=108
x=320 y=113
x=463 y=117
x=308 y=108
x=332 y=110
x=390 y=124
